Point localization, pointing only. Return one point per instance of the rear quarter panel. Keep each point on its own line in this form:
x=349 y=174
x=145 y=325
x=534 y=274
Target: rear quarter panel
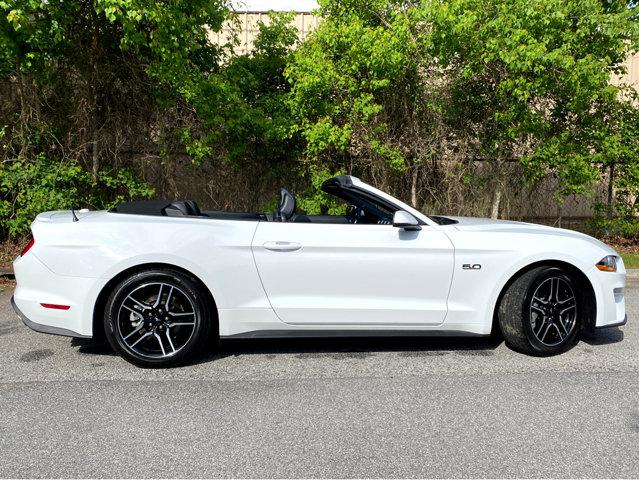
x=101 y=246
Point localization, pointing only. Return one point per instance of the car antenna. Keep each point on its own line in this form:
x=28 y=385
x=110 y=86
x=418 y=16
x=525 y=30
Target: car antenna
x=75 y=217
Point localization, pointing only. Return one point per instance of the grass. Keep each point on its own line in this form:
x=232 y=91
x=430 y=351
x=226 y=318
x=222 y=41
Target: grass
x=628 y=249
x=630 y=260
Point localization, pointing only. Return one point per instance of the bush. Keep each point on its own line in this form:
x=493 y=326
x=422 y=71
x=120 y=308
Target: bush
x=28 y=188
x=624 y=227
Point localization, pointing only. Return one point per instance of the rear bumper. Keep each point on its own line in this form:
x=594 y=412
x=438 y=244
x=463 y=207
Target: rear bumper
x=37 y=285
x=38 y=327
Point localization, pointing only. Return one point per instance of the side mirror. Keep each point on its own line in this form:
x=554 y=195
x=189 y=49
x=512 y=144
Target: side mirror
x=405 y=220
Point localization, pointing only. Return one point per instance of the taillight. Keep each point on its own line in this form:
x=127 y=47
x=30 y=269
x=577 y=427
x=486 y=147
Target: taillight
x=28 y=247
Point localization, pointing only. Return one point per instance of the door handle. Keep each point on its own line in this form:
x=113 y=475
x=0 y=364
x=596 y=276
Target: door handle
x=282 y=246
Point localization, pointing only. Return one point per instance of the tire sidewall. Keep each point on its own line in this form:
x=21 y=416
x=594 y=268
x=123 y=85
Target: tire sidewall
x=535 y=343
x=124 y=288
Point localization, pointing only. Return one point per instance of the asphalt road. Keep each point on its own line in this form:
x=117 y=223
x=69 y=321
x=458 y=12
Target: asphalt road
x=330 y=408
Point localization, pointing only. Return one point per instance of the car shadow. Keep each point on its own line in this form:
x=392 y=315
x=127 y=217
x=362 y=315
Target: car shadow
x=605 y=336
x=355 y=347
x=92 y=347
x=351 y=347
x=337 y=348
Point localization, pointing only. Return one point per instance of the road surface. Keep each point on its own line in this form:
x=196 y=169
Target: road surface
x=321 y=408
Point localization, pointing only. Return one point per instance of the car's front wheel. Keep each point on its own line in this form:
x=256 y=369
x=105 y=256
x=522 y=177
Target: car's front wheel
x=157 y=318
x=540 y=312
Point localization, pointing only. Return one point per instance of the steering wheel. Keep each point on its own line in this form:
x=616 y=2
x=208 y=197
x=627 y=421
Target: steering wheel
x=354 y=213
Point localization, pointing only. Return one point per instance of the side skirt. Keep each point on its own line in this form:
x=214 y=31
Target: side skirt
x=351 y=333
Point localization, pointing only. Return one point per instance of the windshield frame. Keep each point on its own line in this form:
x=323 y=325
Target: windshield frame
x=345 y=186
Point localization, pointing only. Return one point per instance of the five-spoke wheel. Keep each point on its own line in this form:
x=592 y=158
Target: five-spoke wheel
x=157 y=318
x=540 y=311
x=553 y=311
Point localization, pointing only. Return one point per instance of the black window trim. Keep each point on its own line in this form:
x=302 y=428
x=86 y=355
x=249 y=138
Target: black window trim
x=337 y=185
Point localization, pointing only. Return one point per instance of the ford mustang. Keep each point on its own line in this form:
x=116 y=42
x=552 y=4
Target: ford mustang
x=162 y=279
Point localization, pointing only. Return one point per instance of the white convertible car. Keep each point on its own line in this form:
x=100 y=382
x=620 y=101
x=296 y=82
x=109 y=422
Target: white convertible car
x=163 y=279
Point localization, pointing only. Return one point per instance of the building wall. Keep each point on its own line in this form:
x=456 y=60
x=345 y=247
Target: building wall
x=632 y=76
x=245 y=27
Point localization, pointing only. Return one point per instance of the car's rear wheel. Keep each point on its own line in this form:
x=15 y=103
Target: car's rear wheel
x=540 y=313
x=157 y=318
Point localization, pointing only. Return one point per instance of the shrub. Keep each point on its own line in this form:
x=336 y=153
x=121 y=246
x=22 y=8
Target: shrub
x=624 y=227
x=28 y=188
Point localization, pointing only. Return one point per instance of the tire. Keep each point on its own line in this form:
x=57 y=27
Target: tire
x=541 y=312
x=158 y=318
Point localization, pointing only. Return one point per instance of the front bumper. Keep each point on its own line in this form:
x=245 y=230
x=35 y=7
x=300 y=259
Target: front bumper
x=610 y=297
x=38 y=327
x=618 y=324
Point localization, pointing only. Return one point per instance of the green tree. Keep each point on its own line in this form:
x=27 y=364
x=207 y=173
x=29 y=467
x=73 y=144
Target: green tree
x=244 y=116
x=389 y=87
x=533 y=79
x=90 y=78
x=359 y=96
x=104 y=46
x=94 y=80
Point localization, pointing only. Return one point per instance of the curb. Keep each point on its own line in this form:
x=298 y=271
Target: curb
x=7 y=273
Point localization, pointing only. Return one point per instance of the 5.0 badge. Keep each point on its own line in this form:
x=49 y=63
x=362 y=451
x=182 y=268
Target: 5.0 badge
x=471 y=266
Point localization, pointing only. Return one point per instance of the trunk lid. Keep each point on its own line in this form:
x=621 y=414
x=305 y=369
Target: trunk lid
x=66 y=216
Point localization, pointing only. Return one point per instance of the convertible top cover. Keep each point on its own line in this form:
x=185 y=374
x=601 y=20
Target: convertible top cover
x=180 y=208
x=160 y=207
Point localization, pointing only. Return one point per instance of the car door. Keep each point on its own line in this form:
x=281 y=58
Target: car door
x=331 y=274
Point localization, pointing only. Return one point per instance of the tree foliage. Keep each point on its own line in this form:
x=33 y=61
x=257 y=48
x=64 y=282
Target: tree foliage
x=359 y=93
x=242 y=106
x=535 y=77
x=491 y=79
x=461 y=106
x=29 y=188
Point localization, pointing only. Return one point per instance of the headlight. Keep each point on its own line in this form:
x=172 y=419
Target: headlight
x=608 y=264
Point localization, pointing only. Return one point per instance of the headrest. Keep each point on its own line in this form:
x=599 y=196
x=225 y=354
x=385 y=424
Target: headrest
x=287 y=205
x=182 y=208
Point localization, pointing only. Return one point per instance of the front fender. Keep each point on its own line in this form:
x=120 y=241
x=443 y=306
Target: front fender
x=475 y=292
